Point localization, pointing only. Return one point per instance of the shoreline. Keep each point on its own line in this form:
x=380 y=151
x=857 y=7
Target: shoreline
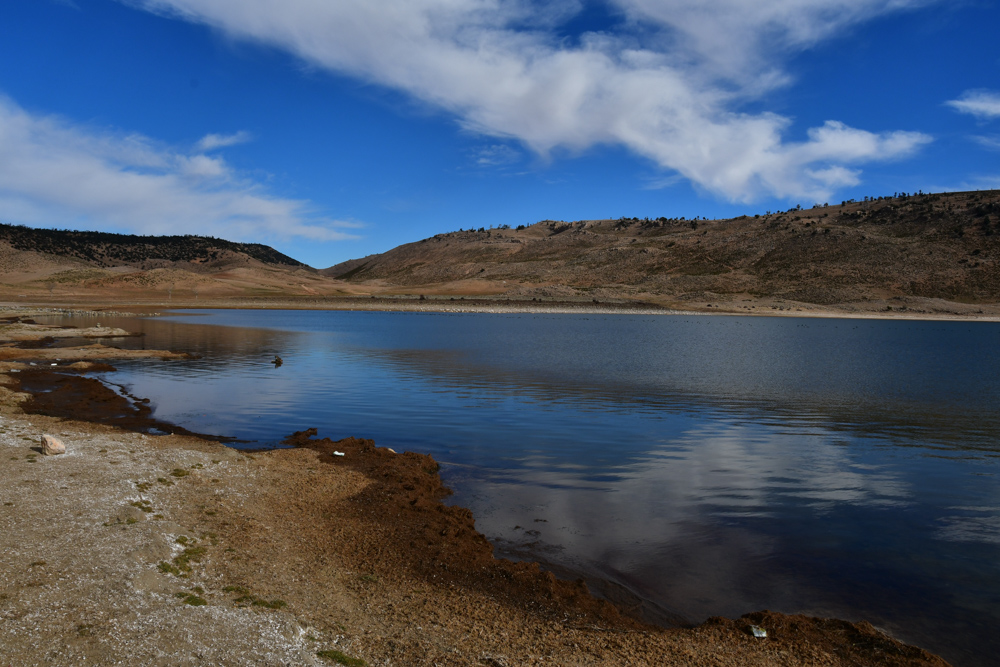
x=490 y=306
x=359 y=549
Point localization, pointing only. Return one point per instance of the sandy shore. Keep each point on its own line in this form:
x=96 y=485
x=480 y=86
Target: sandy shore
x=174 y=550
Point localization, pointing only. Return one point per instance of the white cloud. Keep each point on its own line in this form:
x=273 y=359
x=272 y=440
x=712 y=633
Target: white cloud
x=54 y=173
x=665 y=84
x=983 y=104
x=212 y=141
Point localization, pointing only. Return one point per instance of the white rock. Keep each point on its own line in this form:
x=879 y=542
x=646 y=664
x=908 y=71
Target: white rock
x=52 y=445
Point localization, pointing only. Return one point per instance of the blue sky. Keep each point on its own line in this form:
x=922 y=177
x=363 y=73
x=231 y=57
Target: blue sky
x=335 y=129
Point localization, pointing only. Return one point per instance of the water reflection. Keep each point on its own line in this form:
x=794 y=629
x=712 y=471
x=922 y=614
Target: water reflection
x=711 y=465
x=726 y=518
x=216 y=345
x=891 y=414
x=936 y=381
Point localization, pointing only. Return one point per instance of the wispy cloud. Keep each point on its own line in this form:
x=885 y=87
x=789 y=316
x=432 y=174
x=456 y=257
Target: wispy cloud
x=665 y=84
x=55 y=173
x=661 y=182
x=992 y=141
x=212 y=141
x=496 y=155
x=976 y=182
x=738 y=39
x=983 y=104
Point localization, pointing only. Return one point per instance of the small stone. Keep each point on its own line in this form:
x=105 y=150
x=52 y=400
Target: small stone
x=52 y=446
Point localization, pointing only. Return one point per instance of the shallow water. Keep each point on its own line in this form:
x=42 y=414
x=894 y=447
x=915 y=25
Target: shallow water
x=710 y=465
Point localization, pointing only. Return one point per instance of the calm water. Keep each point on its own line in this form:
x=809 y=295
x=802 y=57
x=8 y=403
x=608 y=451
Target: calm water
x=709 y=465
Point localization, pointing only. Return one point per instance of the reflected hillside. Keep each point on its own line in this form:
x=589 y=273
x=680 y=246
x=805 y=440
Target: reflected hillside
x=217 y=345
x=933 y=382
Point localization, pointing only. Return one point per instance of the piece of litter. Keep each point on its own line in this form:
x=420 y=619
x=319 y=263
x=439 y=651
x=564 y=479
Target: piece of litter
x=53 y=364
x=336 y=453
x=758 y=631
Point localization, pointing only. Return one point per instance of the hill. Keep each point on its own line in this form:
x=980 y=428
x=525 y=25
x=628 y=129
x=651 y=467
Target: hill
x=143 y=252
x=121 y=267
x=924 y=253
x=912 y=248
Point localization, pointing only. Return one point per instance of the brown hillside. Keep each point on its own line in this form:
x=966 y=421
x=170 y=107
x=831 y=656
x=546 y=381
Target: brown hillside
x=934 y=254
x=61 y=265
x=937 y=246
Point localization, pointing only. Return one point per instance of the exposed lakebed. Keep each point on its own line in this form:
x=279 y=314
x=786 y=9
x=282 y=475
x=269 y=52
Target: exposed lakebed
x=708 y=465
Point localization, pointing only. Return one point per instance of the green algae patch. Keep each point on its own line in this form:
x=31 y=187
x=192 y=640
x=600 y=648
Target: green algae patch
x=143 y=505
x=189 y=555
x=342 y=658
x=191 y=599
x=247 y=599
x=167 y=568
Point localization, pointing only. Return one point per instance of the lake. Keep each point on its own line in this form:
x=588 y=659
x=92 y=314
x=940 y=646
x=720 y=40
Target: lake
x=703 y=465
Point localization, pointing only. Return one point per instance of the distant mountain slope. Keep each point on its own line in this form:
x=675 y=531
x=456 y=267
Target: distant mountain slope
x=69 y=266
x=103 y=249
x=943 y=246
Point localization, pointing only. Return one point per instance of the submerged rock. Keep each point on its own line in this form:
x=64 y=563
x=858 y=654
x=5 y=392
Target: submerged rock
x=52 y=446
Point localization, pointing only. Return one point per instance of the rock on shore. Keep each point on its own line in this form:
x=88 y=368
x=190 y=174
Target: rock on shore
x=52 y=446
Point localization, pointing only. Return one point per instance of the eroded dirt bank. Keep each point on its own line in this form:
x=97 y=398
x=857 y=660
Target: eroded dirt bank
x=133 y=549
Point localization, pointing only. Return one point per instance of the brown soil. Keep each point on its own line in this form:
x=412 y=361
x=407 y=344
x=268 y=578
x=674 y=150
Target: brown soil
x=433 y=540
x=170 y=550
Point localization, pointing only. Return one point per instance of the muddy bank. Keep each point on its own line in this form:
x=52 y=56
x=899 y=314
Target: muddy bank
x=71 y=396
x=52 y=379
x=24 y=340
x=433 y=540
